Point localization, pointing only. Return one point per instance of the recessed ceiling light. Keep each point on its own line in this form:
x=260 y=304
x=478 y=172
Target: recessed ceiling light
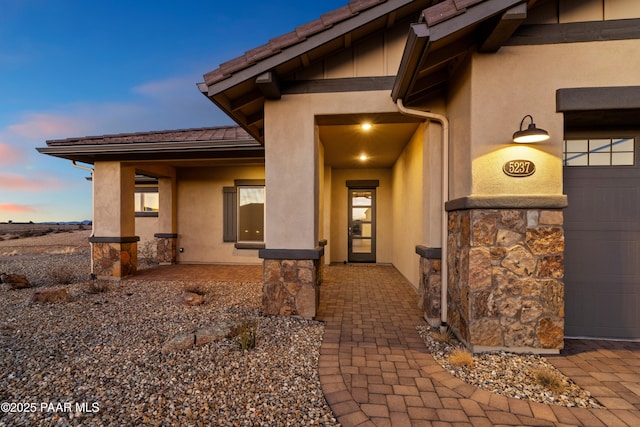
x=366 y=126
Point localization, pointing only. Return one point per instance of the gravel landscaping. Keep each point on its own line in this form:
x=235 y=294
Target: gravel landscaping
x=101 y=358
x=97 y=359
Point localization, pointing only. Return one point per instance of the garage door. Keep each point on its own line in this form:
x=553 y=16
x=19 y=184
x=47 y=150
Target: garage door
x=602 y=236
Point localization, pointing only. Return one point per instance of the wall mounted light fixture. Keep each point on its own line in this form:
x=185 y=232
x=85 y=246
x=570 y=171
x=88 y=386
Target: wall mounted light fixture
x=531 y=134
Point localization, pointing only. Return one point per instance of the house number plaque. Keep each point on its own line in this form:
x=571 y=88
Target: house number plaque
x=519 y=168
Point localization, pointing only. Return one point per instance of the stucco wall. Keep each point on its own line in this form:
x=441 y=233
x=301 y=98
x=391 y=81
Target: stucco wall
x=292 y=161
x=408 y=207
x=339 y=212
x=113 y=205
x=200 y=215
x=502 y=95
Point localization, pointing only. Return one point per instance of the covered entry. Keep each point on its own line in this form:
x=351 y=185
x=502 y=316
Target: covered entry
x=602 y=231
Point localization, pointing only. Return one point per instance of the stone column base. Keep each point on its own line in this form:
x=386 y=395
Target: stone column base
x=291 y=284
x=505 y=288
x=114 y=257
x=430 y=284
x=166 y=244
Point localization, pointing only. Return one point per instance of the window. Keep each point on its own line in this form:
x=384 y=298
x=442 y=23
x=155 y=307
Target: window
x=243 y=218
x=250 y=214
x=146 y=201
x=599 y=152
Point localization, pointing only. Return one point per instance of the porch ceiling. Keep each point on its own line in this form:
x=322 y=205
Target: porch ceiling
x=345 y=141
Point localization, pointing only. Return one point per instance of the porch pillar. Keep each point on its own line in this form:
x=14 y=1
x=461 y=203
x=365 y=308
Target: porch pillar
x=114 y=245
x=292 y=256
x=506 y=265
x=166 y=237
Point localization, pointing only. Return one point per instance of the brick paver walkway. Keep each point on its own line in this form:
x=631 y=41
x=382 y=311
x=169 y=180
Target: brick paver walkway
x=375 y=370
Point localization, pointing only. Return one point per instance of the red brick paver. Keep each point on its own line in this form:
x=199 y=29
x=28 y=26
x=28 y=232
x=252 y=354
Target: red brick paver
x=375 y=370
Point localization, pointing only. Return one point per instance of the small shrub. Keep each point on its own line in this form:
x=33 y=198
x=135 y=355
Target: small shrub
x=444 y=336
x=549 y=379
x=97 y=286
x=246 y=334
x=62 y=275
x=461 y=357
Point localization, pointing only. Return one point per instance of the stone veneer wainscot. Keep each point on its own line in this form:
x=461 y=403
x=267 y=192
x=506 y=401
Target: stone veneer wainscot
x=505 y=288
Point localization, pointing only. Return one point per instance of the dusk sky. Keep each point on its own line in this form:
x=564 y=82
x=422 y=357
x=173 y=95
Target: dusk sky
x=72 y=68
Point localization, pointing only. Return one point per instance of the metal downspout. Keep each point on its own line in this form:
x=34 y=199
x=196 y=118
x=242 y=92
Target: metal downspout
x=444 y=273
x=93 y=201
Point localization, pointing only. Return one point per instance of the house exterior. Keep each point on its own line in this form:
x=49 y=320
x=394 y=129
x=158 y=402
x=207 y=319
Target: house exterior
x=540 y=240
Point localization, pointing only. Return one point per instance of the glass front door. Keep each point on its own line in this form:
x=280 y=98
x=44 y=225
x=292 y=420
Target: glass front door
x=362 y=225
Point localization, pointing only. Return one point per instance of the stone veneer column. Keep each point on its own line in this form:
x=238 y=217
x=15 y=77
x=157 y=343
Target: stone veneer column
x=166 y=248
x=114 y=257
x=430 y=284
x=505 y=287
x=291 y=281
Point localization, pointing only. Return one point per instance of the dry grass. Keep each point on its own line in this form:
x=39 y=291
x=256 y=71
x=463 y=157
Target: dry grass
x=549 y=379
x=444 y=336
x=461 y=357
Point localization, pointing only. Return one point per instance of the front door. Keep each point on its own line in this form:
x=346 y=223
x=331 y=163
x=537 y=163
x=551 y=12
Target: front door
x=362 y=225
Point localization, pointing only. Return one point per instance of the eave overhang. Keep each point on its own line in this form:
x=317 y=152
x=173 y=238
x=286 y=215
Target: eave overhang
x=153 y=151
x=241 y=86
x=445 y=34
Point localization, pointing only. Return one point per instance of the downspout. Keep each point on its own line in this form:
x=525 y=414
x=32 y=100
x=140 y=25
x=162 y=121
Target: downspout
x=93 y=201
x=444 y=273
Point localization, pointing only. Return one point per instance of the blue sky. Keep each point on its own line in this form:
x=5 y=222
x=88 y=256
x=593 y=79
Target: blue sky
x=75 y=68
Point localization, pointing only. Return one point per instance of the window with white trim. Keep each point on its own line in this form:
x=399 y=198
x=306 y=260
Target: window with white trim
x=599 y=152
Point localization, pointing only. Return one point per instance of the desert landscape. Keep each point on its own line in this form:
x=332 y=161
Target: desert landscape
x=146 y=352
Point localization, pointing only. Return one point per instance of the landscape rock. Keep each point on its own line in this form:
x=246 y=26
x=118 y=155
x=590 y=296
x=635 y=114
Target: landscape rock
x=50 y=295
x=15 y=281
x=178 y=342
x=202 y=336
x=192 y=299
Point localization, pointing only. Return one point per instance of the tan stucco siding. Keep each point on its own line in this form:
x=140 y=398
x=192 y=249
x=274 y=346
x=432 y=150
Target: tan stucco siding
x=113 y=212
x=376 y=55
x=459 y=115
x=408 y=209
x=200 y=215
x=523 y=80
x=292 y=161
x=340 y=213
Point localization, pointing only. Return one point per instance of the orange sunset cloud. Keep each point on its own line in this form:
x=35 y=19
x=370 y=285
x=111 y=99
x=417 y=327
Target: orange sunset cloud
x=12 y=207
x=17 y=182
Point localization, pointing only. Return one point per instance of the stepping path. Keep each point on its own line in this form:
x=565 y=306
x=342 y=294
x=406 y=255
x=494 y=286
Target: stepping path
x=376 y=371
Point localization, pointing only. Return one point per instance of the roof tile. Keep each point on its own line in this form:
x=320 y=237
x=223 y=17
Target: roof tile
x=284 y=41
x=441 y=12
x=258 y=53
x=234 y=65
x=310 y=28
x=360 y=5
x=215 y=76
x=336 y=15
x=224 y=133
